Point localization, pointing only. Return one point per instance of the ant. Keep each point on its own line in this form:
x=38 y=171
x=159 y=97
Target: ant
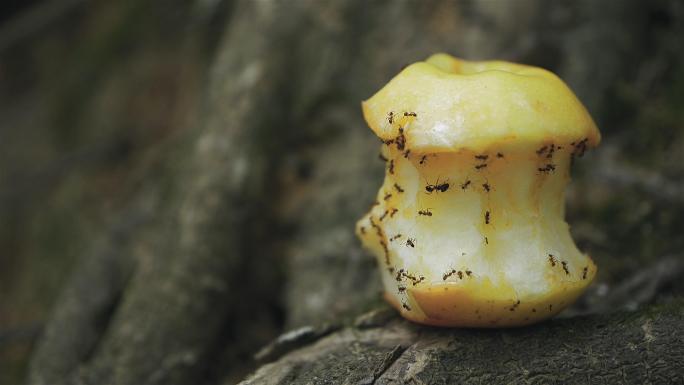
x=542 y=150
x=395 y=237
x=384 y=215
x=423 y=159
x=391 y=167
x=378 y=229
x=552 y=260
x=401 y=289
x=486 y=186
x=411 y=114
x=486 y=240
x=580 y=146
x=406 y=153
x=401 y=140
x=399 y=274
x=468 y=273
x=481 y=166
x=487 y=217
x=565 y=267
x=482 y=157
x=411 y=242
x=466 y=184
x=584 y=272
x=499 y=155
x=515 y=305
x=405 y=306
x=387 y=196
x=437 y=187
x=425 y=212
x=390 y=117
x=549 y=167
x=398 y=188
x=394 y=211
x=552 y=149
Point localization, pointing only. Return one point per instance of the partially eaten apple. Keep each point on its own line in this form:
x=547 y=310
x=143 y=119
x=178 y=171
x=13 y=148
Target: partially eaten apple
x=468 y=227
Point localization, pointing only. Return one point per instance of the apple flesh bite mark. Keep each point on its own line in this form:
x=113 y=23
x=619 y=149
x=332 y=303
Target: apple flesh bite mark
x=478 y=157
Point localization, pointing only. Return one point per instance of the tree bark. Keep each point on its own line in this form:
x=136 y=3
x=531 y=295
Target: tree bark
x=624 y=348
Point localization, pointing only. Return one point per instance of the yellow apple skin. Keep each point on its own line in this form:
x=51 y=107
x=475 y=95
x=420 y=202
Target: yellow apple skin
x=463 y=104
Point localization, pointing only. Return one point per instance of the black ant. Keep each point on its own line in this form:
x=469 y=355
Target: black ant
x=552 y=149
x=468 y=273
x=391 y=167
x=584 y=272
x=387 y=196
x=552 y=260
x=411 y=242
x=399 y=274
x=384 y=215
x=486 y=240
x=390 y=117
x=481 y=166
x=411 y=114
x=481 y=157
x=394 y=211
x=423 y=159
x=401 y=289
x=548 y=168
x=565 y=267
x=400 y=139
x=486 y=186
x=384 y=248
x=394 y=238
x=487 y=217
x=405 y=306
x=515 y=305
x=425 y=212
x=452 y=272
x=406 y=153
x=580 y=147
x=499 y=155
x=465 y=184
x=437 y=187
x=398 y=188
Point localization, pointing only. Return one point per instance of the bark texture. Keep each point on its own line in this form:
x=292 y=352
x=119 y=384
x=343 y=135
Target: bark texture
x=620 y=348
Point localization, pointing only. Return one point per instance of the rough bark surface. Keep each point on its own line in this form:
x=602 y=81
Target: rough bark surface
x=620 y=348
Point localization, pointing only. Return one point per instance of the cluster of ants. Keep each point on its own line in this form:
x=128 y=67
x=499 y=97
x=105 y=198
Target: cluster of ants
x=547 y=152
x=553 y=261
x=459 y=273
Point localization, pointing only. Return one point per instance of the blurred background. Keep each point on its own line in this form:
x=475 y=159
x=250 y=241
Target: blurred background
x=118 y=118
